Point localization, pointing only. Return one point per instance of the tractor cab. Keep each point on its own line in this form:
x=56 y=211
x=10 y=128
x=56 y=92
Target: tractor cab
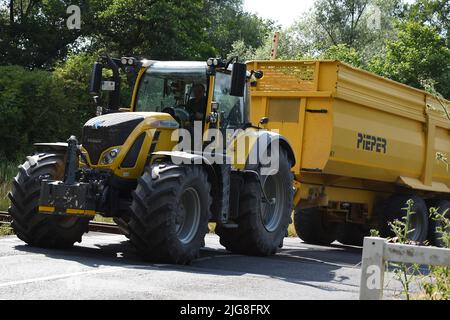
x=213 y=92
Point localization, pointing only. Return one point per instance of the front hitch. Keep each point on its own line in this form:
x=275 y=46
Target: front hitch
x=71 y=161
x=68 y=197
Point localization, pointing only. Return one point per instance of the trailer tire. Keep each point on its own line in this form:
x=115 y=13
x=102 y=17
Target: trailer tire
x=32 y=227
x=170 y=213
x=262 y=227
x=434 y=236
x=351 y=234
x=311 y=227
x=393 y=210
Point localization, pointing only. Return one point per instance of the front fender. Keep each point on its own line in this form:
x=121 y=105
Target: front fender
x=264 y=140
x=59 y=147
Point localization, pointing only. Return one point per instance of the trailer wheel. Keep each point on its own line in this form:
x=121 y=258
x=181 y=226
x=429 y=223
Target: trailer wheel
x=435 y=236
x=262 y=226
x=393 y=211
x=351 y=234
x=170 y=212
x=34 y=228
x=312 y=228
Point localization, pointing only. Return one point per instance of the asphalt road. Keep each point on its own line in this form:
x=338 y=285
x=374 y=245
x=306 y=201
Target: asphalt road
x=105 y=266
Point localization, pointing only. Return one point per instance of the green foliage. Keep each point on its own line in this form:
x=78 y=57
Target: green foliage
x=31 y=104
x=168 y=29
x=343 y=53
x=436 y=285
x=403 y=272
x=419 y=52
x=230 y=26
x=34 y=33
x=5 y=230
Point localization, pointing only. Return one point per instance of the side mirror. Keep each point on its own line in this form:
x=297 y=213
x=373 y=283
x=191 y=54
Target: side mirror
x=238 y=77
x=96 y=78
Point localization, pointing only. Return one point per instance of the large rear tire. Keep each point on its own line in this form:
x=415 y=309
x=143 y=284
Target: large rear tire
x=262 y=226
x=393 y=210
x=35 y=228
x=170 y=212
x=434 y=235
x=312 y=227
x=122 y=224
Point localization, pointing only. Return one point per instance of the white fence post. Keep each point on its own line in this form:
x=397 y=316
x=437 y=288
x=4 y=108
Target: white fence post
x=372 y=269
x=377 y=251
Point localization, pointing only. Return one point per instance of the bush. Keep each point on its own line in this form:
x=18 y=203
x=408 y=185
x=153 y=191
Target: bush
x=33 y=108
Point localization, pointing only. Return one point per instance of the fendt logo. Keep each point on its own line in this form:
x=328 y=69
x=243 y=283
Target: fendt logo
x=371 y=143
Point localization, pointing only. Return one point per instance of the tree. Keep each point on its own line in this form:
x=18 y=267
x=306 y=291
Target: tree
x=343 y=53
x=435 y=13
x=34 y=33
x=33 y=108
x=418 y=53
x=169 y=29
x=342 y=22
x=230 y=24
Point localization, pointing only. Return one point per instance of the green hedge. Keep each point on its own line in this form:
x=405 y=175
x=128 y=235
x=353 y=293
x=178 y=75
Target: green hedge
x=41 y=106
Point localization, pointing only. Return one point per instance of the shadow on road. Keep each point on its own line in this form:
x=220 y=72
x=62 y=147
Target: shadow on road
x=308 y=265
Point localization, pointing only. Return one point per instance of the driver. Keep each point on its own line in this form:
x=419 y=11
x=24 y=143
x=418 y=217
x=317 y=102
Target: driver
x=197 y=104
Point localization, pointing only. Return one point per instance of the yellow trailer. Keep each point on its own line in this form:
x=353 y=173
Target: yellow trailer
x=363 y=144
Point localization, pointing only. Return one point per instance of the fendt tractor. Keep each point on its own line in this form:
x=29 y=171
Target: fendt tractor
x=127 y=166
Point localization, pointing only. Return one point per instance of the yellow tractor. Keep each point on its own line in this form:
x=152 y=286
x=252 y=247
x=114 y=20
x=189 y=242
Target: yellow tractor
x=184 y=154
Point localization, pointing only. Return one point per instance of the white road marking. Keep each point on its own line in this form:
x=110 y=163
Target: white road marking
x=60 y=276
x=218 y=256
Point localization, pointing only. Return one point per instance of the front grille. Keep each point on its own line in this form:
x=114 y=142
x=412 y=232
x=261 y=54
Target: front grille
x=107 y=131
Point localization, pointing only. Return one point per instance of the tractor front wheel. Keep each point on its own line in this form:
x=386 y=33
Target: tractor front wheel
x=170 y=213
x=35 y=228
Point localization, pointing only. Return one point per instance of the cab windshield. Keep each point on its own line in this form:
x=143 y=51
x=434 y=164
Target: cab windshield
x=169 y=86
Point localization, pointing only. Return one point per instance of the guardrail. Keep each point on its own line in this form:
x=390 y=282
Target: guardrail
x=377 y=251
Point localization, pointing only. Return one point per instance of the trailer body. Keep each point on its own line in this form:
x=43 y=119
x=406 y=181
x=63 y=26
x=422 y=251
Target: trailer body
x=357 y=137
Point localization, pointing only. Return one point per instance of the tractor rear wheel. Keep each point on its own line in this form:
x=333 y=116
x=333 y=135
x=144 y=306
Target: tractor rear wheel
x=170 y=212
x=262 y=226
x=34 y=228
x=312 y=227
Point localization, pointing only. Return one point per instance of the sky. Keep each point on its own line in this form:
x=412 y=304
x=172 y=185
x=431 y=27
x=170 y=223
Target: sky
x=284 y=12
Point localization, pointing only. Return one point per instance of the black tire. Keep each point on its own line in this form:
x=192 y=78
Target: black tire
x=122 y=224
x=434 y=236
x=393 y=211
x=261 y=227
x=163 y=192
x=311 y=227
x=34 y=228
x=351 y=234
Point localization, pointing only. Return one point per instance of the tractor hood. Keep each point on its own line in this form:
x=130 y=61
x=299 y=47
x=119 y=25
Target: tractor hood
x=106 y=131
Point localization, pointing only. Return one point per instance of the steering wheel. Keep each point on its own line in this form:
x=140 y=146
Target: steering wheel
x=178 y=113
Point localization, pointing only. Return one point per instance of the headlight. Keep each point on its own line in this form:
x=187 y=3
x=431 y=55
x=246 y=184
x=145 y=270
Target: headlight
x=109 y=157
